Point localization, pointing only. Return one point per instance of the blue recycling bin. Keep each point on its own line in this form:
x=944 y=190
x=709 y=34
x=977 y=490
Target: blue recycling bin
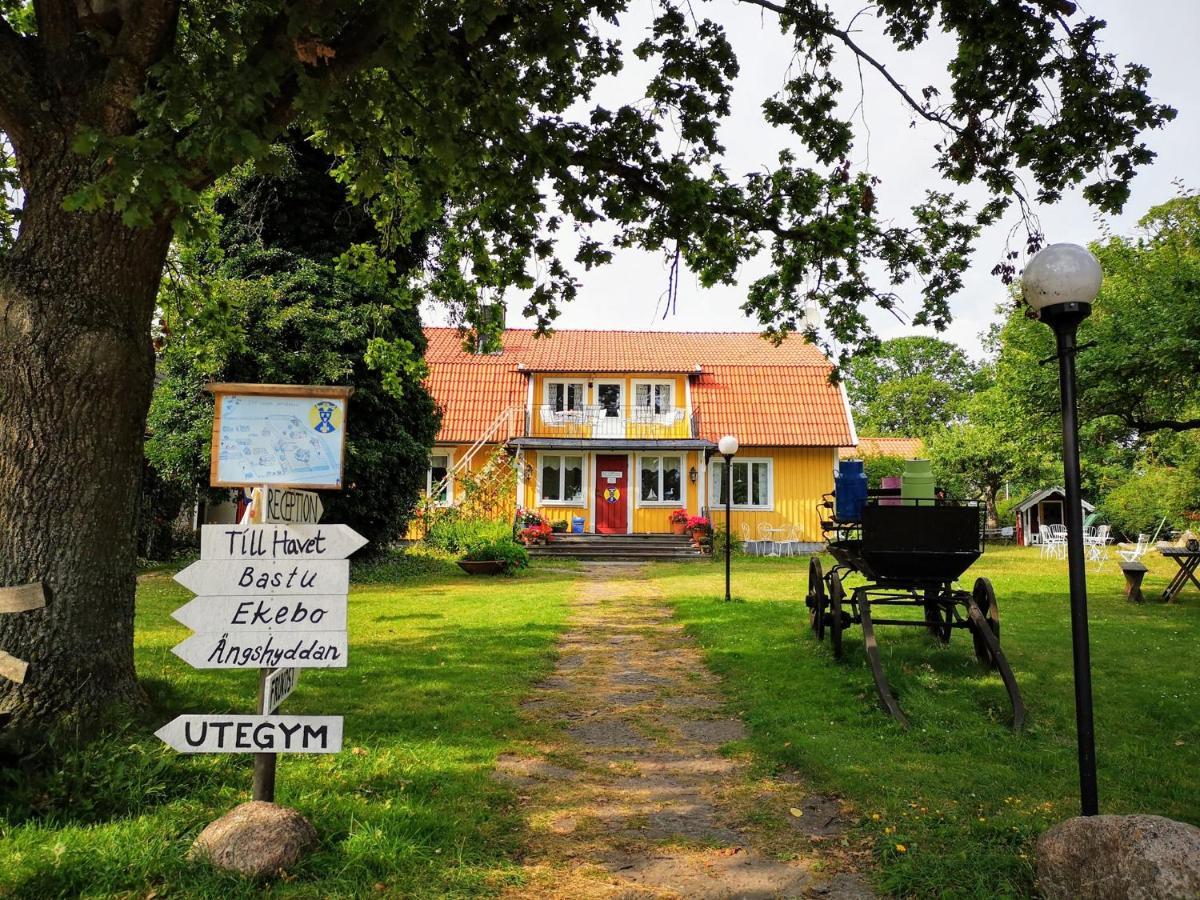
x=576 y=524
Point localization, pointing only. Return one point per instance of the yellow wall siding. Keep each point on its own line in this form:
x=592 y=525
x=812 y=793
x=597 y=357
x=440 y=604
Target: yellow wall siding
x=801 y=476
x=631 y=429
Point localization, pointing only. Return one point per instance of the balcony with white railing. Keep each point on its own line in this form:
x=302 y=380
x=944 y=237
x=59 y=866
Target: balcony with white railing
x=593 y=421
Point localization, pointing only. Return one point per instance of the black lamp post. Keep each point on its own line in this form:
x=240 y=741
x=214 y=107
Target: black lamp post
x=728 y=446
x=1060 y=283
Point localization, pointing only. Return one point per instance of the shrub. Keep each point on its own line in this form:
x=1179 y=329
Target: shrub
x=717 y=539
x=507 y=551
x=1142 y=502
x=455 y=534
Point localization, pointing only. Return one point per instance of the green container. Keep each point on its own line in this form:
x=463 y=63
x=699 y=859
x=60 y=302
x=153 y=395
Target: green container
x=916 y=483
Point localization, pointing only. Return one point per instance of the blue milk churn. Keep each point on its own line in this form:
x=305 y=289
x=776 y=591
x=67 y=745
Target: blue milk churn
x=850 y=490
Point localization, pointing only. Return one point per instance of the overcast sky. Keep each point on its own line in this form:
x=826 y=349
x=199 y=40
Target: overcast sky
x=1162 y=34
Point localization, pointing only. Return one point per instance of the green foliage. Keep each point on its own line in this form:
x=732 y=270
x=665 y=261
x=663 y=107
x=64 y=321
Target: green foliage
x=514 y=556
x=277 y=312
x=452 y=532
x=1148 y=498
x=877 y=467
x=976 y=458
x=473 y=124
x=909 y=386
x=716 y=537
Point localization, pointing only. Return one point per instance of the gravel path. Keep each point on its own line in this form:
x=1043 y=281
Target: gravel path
x=634 y=792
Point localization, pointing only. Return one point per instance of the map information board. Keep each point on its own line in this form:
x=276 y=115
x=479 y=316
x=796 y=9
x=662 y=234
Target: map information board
x=277 y=439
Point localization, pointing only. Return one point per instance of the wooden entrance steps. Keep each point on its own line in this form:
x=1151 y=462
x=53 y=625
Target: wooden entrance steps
x=618 y=547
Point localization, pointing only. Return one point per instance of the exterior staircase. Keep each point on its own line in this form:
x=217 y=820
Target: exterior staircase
x=619 y=548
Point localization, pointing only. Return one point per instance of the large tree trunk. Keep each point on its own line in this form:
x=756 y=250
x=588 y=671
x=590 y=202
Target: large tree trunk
x=76 y=371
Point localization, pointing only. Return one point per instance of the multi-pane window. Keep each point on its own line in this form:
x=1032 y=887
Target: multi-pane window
x=437 y=485
x=563 y=396
x=608 y=396
x=751 y=483
x=562 y=479
x=660 y=479
x=655 y=397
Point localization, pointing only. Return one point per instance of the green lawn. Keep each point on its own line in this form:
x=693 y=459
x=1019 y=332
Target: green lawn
x=438 y=664
x=962 y=795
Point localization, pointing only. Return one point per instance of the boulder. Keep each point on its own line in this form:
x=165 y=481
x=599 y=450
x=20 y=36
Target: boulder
x=1119 y=858
x=257 y=839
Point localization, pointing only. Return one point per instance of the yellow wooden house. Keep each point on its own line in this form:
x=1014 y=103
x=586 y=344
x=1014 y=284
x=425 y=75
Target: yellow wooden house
x=619 y=428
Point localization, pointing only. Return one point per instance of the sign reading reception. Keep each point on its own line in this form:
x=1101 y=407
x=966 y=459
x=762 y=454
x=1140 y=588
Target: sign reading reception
x=278 y=434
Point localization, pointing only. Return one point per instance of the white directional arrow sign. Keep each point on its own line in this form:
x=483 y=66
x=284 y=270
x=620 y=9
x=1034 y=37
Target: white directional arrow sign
x=264 y=649
x=281 y=541
x=315 y=612
x=253 y=734
x=257 y=578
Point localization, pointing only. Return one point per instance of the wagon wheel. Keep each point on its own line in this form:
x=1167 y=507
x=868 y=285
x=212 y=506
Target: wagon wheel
x=816 y=598
x=937 y=617
x=836 y=595
x=984 y=597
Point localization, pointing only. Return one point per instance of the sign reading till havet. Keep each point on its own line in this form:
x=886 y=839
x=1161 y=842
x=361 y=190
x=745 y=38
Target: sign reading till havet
x=253 y=734
x=279 y=541
x=283 y=435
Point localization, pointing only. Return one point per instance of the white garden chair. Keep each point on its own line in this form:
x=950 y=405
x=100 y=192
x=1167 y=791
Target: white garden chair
x=1138 y=551
x=748 y=543
x=766 y=535
x=1095 y=542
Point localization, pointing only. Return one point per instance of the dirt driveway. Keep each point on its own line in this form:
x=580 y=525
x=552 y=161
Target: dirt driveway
x=636 y=793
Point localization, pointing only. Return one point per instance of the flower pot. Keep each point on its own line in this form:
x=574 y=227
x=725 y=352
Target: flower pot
x=481 y=566
x=679 y=527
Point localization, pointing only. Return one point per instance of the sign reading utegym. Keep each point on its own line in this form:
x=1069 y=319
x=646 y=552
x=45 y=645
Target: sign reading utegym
x=253 y=734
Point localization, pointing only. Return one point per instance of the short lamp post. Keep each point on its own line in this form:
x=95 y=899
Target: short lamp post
x=1060 y=283
x=728 y=446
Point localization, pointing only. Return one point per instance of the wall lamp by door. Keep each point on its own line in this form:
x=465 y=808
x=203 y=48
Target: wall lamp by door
x=692 y=474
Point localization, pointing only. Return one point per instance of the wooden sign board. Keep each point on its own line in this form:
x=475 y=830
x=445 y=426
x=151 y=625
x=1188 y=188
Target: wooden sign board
x=317 y=612
x=264 y=649
x=296 y=507
x=22 y=598
x=258 y=578
x=278 y=687
x=12 y=668
x=253 y=734
x=279 y=541
x=286 y=435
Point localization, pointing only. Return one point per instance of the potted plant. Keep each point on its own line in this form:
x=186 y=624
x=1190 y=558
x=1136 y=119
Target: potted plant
x=535 y=534
x=560 y=527
x=679 y=521
x=698 y=527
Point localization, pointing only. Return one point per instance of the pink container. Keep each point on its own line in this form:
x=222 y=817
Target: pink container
x=890 y=482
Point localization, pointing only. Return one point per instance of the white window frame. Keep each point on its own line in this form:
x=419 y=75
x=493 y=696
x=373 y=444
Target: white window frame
x=583 y=402
x=562 y=480
x=600 y=410
x=683 y=480
x=655 y=382
x=718 y=464
x=449 y=454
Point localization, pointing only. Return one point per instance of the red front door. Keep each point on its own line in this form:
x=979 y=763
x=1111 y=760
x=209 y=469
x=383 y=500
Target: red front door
x=612 y=495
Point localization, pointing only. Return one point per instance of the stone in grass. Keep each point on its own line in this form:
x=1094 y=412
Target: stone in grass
x=1119 y=858
x=256 y=839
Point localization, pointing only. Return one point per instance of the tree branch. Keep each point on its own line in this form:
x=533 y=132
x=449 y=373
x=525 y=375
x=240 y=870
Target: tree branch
x=20 y=95
x=1145 y=426
x=144 y=37
x=824 y=27
x=58 y=23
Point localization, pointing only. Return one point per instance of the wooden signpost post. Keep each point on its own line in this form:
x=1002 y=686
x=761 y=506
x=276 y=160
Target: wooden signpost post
x=271 y=591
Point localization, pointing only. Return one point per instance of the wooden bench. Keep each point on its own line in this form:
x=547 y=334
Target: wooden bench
x=1134 y=572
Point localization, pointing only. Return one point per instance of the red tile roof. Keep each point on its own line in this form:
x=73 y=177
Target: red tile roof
x=907 y=447
x=742 y=384
x=771 y=406
x=472 y=395
x=628 y=351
